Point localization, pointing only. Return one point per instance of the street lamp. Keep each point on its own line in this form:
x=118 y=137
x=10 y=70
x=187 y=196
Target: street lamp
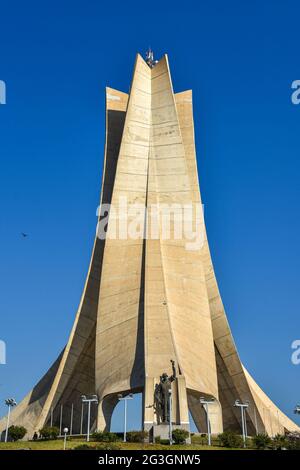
x=92 y=399
x=243 y=407
x=10 y=402
x=205 y=403
x=121 y=398
x=66 y=430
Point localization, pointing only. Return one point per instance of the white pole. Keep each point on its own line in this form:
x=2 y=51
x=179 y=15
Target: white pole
x=245 y=423
x=125 y=418
x=208 y=425
x=89 y=419
x=71 y=426
x=81 y=419
x=243 y=426
x=60 y=421
x=7 y=424
x=65 y=441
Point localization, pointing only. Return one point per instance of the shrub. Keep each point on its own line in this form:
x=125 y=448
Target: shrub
x=279 y=442
x=179 y=436
x=164 y=442
x=199 y=439
x=293 y=440
x=108 y=446
x=102 y=446
x=137 y=436
x=104 y=436
x=16 y=432
x=230 y=439
x=249 y=442
x=157 y=440
x=48 y=432
x=261 y=441
x=83 y=447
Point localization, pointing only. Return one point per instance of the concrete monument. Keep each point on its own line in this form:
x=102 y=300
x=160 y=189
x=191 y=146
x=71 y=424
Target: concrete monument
x=150 y=300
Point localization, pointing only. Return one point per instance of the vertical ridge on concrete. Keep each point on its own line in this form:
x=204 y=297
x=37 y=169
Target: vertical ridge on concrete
x=120 y=291
x=187 y=309
x=187 y=298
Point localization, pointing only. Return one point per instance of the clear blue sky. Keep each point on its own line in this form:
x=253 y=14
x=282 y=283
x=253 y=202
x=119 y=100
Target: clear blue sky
x=240 y=59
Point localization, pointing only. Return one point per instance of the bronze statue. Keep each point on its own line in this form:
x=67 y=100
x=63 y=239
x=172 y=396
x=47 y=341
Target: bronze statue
x=161 y=396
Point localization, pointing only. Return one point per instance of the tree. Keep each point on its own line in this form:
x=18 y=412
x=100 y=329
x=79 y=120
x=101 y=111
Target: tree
x=16 y=432
x=179 y=436
x=48 y=432
x=230 y=439
x=262 y=441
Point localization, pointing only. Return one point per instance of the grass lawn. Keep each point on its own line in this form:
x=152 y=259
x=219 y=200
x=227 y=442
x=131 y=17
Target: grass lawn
x=58 y=445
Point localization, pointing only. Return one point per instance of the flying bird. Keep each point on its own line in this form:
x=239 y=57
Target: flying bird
x=24 y=234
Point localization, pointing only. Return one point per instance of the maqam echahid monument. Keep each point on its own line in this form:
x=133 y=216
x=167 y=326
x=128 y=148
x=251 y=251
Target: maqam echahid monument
x=151 y=318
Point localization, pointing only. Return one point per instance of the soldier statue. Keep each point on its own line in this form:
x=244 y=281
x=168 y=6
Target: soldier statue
x=161 y=396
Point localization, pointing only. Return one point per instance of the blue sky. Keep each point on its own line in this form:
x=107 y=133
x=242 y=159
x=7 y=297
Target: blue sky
x=240 y=59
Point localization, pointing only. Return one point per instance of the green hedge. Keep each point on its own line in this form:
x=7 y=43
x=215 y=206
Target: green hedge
x=137 y=436
x=104 y=436
x=48 y=432
x=179 y=436
x=230 y=439
x=16 y=432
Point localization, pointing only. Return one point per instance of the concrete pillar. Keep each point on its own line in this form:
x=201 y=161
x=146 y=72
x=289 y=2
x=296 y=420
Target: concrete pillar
x=105 y=410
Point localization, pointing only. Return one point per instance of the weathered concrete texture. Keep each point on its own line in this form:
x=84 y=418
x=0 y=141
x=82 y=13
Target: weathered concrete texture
x=147 y=301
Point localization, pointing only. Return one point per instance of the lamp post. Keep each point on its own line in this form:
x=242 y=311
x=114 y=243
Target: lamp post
x=243 y=407
x=10 y=402
x=205 y=403
x=66 y=430
x=81 y=418
x=92 y=399
x=121 y=398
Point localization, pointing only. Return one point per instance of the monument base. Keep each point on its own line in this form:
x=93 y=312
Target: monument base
x=163 y=430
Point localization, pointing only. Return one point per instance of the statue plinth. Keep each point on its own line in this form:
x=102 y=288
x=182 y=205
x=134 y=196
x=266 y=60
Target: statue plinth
x=163 y=431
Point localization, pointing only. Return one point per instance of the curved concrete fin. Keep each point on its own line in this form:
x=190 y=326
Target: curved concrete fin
x=26 y=412
x=73 y=373
x=239 y=381
x=274 y=420
x=233 y=382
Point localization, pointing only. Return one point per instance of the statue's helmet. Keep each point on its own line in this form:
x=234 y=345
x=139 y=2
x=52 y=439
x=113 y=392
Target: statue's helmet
x=165 y=375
